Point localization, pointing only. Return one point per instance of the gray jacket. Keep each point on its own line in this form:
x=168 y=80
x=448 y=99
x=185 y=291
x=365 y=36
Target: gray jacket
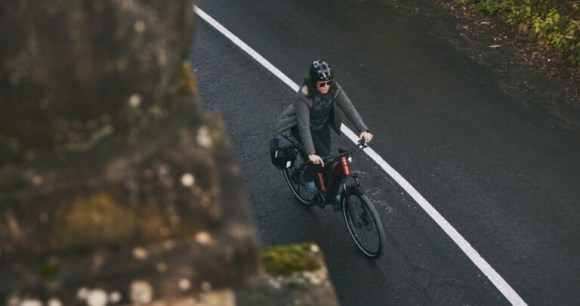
x=298 y=114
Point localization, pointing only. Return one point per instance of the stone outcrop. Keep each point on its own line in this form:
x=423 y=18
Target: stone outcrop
x=292 y=275
x=115 y=188
x=114 y=185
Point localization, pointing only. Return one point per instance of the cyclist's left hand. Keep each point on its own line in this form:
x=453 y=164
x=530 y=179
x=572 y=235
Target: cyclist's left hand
x=366 y=136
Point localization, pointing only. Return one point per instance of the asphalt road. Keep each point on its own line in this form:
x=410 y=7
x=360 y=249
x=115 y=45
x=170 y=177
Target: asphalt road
x=500 y=170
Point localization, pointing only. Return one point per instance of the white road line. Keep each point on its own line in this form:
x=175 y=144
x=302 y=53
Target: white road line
x=471 y=253
x=260 y=59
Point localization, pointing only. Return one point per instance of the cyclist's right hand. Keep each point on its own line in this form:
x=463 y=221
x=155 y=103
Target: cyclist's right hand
x=366 y=137
x=315 y=159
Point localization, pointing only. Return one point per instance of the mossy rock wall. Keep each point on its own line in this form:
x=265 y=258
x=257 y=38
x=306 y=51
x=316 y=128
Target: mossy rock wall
x=113 y=182
x=69 y=69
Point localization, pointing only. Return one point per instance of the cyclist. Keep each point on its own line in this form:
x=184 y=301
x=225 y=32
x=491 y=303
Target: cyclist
x=320 y=106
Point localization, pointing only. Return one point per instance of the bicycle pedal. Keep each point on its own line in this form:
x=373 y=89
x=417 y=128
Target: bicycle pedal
x=320 y=201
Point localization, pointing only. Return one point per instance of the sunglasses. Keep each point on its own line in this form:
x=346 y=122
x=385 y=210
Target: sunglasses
x=324 y=84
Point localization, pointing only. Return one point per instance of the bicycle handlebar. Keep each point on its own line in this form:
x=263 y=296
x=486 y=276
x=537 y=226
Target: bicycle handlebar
x=359 y=145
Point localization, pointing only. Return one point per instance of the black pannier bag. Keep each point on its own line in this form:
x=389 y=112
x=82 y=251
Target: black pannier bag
x=283 y=150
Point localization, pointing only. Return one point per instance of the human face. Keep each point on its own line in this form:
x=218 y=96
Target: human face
x=323 y=86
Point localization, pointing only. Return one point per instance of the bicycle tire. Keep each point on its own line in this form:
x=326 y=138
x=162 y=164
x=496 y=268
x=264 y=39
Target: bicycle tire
x=363 y=222
x=294 y=180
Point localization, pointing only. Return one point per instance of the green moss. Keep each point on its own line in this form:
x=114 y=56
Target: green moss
x=287 y=259
x=7 y=186
x=97 y=219
x=49 y=268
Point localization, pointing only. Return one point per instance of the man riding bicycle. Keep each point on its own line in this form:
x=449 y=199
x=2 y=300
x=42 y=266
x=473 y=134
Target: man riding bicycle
x=320 y=106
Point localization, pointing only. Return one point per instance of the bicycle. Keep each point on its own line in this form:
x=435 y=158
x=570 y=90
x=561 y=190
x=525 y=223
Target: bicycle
x=361 y=218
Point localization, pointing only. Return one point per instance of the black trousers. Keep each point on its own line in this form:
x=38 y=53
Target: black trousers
x=321 y=141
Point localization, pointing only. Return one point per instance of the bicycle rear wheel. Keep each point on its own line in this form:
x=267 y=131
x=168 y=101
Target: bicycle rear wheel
x=363 y=222
x=294 y=180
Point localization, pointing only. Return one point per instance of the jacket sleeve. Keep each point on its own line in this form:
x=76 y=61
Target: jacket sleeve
x=286 y=120
x=303 y=124
x=349 y=110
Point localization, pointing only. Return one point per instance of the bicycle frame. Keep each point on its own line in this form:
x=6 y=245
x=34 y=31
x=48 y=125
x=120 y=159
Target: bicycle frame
x=339 y=173
x=338 y=176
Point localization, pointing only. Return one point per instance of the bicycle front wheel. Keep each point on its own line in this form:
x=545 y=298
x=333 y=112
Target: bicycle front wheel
x=294 y=180
x=363 y=222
